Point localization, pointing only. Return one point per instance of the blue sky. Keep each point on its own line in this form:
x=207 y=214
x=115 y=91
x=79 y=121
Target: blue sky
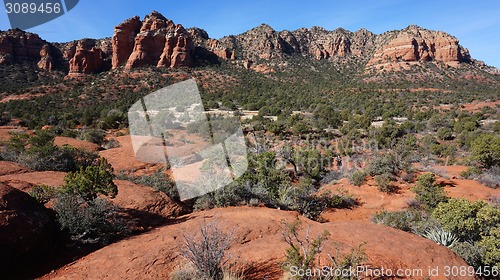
x=475 y=23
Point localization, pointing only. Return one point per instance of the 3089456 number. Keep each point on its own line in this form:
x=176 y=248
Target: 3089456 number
x=33 y=8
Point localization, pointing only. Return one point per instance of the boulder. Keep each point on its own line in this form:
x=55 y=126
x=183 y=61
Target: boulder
x=25 y=227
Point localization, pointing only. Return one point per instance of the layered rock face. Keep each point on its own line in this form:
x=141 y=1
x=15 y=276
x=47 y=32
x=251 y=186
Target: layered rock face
x=86 y=57
x=263 y=42
x=154 y=41
x=157 y=41
x=123 y=40
x=46 y=60
x=417 y=44
x=411 y=44
x=17 y=45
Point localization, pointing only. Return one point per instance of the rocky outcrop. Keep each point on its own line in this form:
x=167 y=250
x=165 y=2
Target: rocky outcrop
x=17 y=45
x=25 y=226
x=224 y=49
x=155 y=254
x=176 y=52
x=410 y=44
x=46 y=61
x=145 y=207
x=87 y=58
x=123 y=40
x=417 y=44
x=159 y=42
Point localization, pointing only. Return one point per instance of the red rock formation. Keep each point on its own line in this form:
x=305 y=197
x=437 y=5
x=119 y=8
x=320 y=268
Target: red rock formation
x=160 y=42
x=123 y=40
x=46 y=60
x=25 y=226
x=418 y=44
x=219 y=50
x=87 y=58
x=176 y=52
x=16 y=45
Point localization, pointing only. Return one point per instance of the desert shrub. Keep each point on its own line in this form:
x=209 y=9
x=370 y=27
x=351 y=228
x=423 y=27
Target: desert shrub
x=114 y=119
x=471 y=172
x=429 y=193
x=303 y=251
x=491 y=177
x=301 y=127
x=4 y=120
x=88 y=221
x=469 y=252
x=207 y=249
x=311 y=163
x=388 y=134
x=43 y=193
x=331 y=176
x=348 y=263
x=263 y=179
x=384 y=183
x=485 y=149
x=357 y=178
x=383 y=164
x=90 y=181
x=491 y=247
x=444 y=133
x=93 y=135
x=468 y=220
x=157 y=180
x=441 y=236
x=38 y=152
x=312 y=205
x=414 y=221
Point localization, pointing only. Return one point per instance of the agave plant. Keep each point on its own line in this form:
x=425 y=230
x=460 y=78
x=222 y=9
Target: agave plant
x=441 y=236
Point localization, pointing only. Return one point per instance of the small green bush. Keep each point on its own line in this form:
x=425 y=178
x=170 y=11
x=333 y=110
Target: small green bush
x=90 y=181
x=88 y=221
x=357 y=178
x=469 y=252
x=468 y=220
x=444 y=133
x=471 y=173
x=429 y=194
x=485 y=149
x=384 y=183
x=491 y=246
x=414 y=221
x=303 y=251
x=43 y=193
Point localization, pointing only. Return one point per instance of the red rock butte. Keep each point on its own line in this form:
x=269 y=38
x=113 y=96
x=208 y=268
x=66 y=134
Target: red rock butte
x=158 y=41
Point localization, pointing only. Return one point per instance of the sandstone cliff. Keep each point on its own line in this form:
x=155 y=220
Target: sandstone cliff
x=88 y=56
x=17 y=45
x=157 y=41
x=417 y=44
